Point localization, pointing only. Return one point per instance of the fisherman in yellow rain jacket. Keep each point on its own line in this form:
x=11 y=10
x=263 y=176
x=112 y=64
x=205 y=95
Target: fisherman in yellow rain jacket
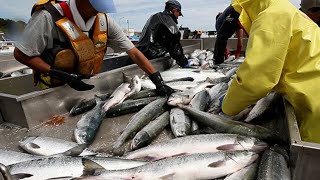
x=283 y=55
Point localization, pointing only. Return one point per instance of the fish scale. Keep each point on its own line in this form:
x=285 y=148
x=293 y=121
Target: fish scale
x=12 y=157
x=247 y=173
x=273 y=165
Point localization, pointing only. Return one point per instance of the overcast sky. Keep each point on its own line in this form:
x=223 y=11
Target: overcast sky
x=198 y=14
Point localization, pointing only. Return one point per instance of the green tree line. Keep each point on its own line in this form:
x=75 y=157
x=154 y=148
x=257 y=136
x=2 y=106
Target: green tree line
x=11 y=28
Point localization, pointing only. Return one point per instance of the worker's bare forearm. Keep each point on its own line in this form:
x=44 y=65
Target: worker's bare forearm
x=240 y=36
x=138 y=58
x=35 y=63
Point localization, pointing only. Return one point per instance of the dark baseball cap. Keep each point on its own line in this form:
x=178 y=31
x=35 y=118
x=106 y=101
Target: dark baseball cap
x=170 y=4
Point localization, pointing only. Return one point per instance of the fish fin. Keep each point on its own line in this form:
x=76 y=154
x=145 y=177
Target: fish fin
x=168 y=176
x=126 y=78
x=189 y=79
x=98 y=99
x=208 y=80
x=182 y=106
x=32 y=145
x=77 y=105
x=29 y=138
x=106 y=95
x=20 y=176
x=80 y=102
x=90 y=167
x=217 y=164
x=63 y=177
x=79 y=178
x=75 y=151
x=180 y=154
x=227 y=147
x=150 y=158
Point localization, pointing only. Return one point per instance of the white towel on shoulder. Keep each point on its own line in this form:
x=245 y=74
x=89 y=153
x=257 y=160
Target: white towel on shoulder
x=84 y=26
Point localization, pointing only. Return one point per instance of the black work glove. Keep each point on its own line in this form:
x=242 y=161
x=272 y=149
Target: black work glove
x=183 y=62
x=73 y=80
x=162 y=89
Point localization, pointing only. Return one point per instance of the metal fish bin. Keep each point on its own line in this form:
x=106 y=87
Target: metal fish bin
x=25 y=110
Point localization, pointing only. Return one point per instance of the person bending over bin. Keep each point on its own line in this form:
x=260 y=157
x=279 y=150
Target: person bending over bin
x=161 y=35
x=282 y=55
x=65 y=42
x=226 y=25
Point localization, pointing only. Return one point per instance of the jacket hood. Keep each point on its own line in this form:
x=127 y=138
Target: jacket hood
x=167 y=11
x=249 y=10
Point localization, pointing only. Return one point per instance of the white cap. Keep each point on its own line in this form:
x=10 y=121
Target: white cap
x=307 y=4
x=106 y=6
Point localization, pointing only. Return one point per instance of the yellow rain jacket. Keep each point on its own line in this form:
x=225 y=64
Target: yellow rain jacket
x=283 y=54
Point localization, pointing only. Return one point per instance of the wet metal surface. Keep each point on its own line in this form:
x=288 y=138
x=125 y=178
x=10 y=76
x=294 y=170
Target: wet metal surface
x=33 y=108
x=108 y=132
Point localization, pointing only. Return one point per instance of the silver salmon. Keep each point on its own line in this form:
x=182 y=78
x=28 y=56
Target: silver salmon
x=186 y=167
x=140 y=119
x=150 y=131
x=197 y=144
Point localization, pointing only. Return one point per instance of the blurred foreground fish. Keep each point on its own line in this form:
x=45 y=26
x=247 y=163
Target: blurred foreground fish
x=197 y=144
x=187 y=167
x=66 y=167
